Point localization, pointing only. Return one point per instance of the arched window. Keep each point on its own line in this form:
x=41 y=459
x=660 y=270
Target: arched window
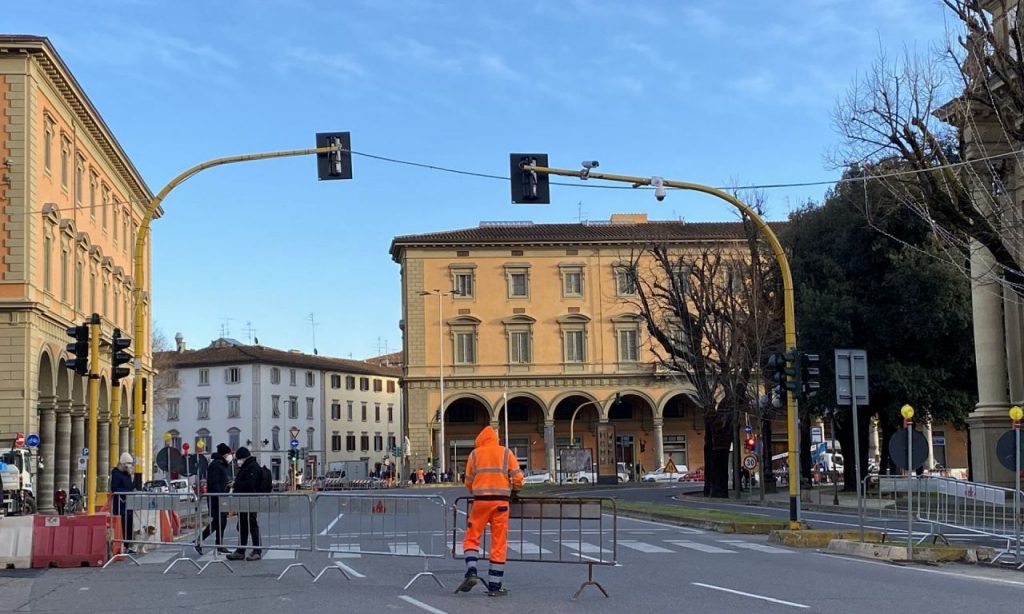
x=204 y=435
x=310 y=436
x=277 y=438
x=234 y=438
x=175 y=439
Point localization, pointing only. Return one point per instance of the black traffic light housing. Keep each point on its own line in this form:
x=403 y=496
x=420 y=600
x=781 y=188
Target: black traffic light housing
x=810 y=374
x=529 y=187
x=335 y=164
x=784 y=370
x=79 y=349
x=118 y=357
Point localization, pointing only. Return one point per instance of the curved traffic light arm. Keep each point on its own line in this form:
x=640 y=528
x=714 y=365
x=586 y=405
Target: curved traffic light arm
x=789 y=307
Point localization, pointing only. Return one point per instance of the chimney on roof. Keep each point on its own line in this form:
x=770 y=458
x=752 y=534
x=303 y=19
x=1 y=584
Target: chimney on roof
x=179 y=340
x=629 y=218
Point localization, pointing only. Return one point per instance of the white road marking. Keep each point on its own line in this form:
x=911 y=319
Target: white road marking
x=332 y=523
x=405 y=548
x=528 y=548
x=663 y=524
x=643 y=546
x=421 y=605
x=751 y=595
x=754 y=546
x=580 y=546
x=344 y=548
x=708 y=548
x=346 y=555
x=83 y=588
x=157 y=557
x=277 y=555
x=350 y=571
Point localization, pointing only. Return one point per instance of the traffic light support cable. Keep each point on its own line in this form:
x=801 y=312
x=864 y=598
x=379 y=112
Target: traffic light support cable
x=789 y=307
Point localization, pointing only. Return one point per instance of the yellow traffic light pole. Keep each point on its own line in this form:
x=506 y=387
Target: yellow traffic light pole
x=93 y=409
x=142 y=452
x=789 y=307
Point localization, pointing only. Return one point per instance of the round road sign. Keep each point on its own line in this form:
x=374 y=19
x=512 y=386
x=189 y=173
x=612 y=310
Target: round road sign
x=750 y=462
x=32 y=440
x=295 y=443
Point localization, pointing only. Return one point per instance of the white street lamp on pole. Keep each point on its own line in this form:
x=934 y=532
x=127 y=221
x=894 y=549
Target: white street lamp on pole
x=442 y=453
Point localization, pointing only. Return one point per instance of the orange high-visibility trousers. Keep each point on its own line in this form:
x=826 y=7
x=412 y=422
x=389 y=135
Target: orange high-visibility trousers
x=482 y=513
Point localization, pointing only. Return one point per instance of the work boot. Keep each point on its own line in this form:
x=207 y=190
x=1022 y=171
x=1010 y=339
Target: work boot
x=255 y=555
x=198 y=547
x=501 y=591
x=223 y=550
x=236 y=556
x=468 y=583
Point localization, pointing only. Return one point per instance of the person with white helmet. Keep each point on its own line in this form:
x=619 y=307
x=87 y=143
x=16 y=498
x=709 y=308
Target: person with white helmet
x=120 y=482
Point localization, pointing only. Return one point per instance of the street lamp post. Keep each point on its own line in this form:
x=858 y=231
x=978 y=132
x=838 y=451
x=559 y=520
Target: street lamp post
x=442 y=452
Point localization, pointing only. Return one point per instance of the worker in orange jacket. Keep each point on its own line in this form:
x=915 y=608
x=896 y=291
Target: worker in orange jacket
x=493 y=478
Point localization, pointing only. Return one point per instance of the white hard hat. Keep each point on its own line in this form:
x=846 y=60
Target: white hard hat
x=126 y=458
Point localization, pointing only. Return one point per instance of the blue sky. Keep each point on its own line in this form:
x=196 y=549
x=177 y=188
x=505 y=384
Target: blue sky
x=721 y=93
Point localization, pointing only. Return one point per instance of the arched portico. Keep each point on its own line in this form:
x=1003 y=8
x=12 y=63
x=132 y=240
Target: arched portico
x=46 y=393
x=526 y=419
x=465 y=415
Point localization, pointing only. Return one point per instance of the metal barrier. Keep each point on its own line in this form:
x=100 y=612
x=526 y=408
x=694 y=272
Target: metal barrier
x=146 y=511
x=278 y=521
x=565 y=529
x=380 y=524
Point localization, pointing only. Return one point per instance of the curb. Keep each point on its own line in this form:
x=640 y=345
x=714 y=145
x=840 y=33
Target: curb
x=889 y=552
x=742 y=528
x=818 y=538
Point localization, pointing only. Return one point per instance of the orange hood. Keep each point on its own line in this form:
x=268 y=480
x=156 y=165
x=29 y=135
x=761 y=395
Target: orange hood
x=487 y=437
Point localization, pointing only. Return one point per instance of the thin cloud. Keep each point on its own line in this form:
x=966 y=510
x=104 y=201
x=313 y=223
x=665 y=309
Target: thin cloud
x=493 y=65
x=647 y=52
x=411 y=51
x=336 y=64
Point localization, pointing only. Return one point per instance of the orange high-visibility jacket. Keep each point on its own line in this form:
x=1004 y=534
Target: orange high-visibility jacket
x=492 y=471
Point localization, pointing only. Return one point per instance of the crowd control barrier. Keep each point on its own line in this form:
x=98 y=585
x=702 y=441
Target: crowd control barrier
x=380 y=524
x=282 y=521
x=571 y=530
x=150 y=514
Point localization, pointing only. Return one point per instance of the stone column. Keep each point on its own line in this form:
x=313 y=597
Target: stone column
x=103 y=465
x=988 y=420
x=124 y=437
x=659 y=444
x=48 y=448
x=62 y=467
x=549 y=447
x=1012 y=324
x=77 y=444
x=929 y=463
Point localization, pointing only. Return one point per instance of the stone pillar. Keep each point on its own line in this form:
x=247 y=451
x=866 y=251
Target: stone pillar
x=549 y=447
x=48 y=448
x=1012 y=324
x=929 y=463
x=873 y=449
x=77 y=444
x=659 y=444
x=124 y=430
x=988 y=420
x=62 y=467
x=103 y=465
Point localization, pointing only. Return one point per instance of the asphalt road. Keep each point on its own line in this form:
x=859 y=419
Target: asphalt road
x=660 y=568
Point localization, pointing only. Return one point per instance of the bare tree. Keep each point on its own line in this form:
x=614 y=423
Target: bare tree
x=944 y=134
x=165 y=375
x=711 y=313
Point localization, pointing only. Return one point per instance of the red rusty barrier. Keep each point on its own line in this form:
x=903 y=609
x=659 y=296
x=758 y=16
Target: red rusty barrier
x=69 y=541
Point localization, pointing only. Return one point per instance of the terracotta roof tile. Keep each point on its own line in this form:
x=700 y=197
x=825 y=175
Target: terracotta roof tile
x=248 y=354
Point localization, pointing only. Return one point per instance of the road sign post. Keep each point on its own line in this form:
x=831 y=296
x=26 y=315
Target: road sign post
x=908 y=414
x=1016 y=414
x=852 y=389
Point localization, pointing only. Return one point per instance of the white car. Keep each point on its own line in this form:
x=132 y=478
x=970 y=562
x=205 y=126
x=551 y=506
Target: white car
x=181 y=486
x=537 y=477
x=660 y=475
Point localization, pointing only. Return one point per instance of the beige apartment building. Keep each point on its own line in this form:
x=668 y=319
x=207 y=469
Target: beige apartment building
x=72 y=202
x=542 y=318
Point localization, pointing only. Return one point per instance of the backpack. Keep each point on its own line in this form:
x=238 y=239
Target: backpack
x=266 y=480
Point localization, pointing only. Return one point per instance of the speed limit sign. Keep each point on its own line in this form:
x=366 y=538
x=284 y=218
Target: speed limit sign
x=750 y=462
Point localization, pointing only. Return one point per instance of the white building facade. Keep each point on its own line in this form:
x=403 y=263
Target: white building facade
x=267 y=399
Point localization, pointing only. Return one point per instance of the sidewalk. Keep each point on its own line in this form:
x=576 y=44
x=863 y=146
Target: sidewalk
x=820 y=498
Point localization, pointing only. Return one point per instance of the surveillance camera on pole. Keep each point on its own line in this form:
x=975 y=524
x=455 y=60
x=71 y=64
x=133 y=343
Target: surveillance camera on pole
x=658 y=183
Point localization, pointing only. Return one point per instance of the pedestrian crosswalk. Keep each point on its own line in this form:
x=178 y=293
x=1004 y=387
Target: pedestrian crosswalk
x=584 y=546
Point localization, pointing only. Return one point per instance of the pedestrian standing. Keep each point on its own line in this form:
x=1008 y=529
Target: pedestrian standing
x=493 y=478
x=218 y=481
x=419 y=475
x=247 y=480
x=121 y=482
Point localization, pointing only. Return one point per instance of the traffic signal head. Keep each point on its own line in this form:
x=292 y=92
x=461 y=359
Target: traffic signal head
x=777 y=368
x=334 y=164
x=79 y=349
x=793 y=370
x=118 y=357
x=529 y=187
x=810 y=374
x=751 y=442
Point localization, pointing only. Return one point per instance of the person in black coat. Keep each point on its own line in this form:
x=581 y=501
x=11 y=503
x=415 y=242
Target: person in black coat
x=247 y=480
x=218 y=481
x=120 y=482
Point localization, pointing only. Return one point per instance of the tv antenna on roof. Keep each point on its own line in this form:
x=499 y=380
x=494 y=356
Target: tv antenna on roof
x=313 y=325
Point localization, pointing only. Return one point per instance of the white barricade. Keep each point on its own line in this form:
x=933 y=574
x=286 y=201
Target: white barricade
x=16 y=542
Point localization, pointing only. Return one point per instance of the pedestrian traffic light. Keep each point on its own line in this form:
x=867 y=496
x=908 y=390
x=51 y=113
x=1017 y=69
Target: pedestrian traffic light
x=79 y=349
x=528 y=186
x=751 y=443
x=118 y=357
x=810 y=374
x=335 y=164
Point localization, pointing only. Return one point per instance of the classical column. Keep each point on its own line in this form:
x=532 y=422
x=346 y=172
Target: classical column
x=988 y=420
x=48 y=445
x=659 y=444
x=62 y=467
x=1012 y=324
x=77 y=444
x=103 y=465
x=549 y=446
x=124 y=436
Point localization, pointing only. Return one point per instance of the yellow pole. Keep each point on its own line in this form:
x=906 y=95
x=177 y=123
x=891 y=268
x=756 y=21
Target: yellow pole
x=93 y=405
x=789 y=307
x=115 y=424
x=142 y=452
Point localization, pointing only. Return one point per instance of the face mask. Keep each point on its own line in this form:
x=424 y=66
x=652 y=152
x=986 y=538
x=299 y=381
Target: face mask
x=229 y=457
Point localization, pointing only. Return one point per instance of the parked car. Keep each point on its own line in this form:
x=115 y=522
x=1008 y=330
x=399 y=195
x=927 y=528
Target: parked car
x=156 y=486
x=590 y=477
x=181 y=486
x=660 y=475
x=537 y=477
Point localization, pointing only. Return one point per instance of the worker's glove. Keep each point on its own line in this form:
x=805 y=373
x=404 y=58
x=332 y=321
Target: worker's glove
x=515 y=495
